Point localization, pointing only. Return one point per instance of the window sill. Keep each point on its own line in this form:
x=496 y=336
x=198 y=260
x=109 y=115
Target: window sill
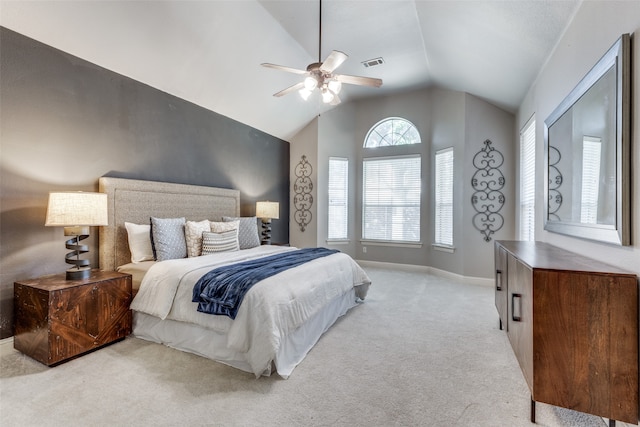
x=413 y=245
x=338 y=241
x=443 y=248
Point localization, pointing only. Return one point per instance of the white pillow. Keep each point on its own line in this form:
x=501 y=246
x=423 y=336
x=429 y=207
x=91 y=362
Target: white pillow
x=139 y=236
x=193 y=235
x=219 y=227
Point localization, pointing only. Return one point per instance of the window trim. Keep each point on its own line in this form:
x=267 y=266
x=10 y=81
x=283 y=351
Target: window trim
x=443 y=248
x=439 y=245
x=392 y=118
x=392 y=243
x=530 y=126
x=345 y=238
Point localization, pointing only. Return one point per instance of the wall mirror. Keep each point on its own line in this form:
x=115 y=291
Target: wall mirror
x=587 y=143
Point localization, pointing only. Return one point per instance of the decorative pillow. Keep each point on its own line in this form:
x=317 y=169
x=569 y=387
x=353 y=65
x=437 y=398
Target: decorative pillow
x=248 y=232
x=219 y=227
x=139 y=237
x=193 y=236
x=168 y=238
x=225 y=241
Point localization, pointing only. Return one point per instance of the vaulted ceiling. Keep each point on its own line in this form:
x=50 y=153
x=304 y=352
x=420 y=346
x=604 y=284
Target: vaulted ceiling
x=209 y=52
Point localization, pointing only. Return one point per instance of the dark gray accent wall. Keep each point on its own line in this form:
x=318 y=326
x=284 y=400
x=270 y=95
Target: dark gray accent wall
x=64 y=122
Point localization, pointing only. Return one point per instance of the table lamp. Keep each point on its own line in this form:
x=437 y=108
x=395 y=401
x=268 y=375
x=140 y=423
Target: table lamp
x=267 y=211
x=76 y=211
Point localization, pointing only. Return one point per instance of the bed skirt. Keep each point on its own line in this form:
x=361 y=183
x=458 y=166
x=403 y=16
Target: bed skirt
x=213 y=345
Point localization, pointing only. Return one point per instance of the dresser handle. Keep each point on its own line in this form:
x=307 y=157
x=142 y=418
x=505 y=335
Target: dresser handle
x=513 y=307
x=498 y=280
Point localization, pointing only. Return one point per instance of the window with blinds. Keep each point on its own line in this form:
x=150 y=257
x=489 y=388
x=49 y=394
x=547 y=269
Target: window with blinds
x=338 y=198
x=527 y=180
x=591 y=154
x=391 y=198
x=444 y=197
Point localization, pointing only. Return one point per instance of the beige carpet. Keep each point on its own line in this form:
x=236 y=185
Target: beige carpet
x=421 y=351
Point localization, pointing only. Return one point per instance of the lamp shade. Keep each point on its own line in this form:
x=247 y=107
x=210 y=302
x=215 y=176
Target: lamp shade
x=76 y=208
x=268 y=210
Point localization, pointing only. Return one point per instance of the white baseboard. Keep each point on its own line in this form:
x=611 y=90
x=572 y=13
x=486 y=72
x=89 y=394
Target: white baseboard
x=395 y=266
x=429 y=270
x=464 y=279
x=6 y=345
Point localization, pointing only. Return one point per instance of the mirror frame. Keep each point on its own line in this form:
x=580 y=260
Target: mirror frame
x=618 y=55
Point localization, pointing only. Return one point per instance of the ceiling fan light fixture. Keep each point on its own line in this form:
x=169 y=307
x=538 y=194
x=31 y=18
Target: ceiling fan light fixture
x=320 y=75
x=305 y=93
x=327 y=96
x=310 y=83
x=334 y=86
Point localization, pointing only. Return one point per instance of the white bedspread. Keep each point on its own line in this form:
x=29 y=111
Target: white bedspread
x=270 y=310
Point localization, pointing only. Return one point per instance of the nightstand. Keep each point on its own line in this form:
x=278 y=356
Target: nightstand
x=58 y=319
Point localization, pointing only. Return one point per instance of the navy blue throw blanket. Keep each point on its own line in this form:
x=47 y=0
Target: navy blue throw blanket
x=221 y=290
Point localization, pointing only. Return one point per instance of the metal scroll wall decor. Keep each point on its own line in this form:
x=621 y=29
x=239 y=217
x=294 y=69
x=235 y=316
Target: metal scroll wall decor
x=488 y=181
x=555 y=181
x=302 y=187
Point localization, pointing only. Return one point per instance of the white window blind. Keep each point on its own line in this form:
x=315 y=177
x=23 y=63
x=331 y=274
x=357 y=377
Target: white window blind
x=444 y=197
x=591 y=154
x=527 y=180
x=391 y=198
x=338 y=197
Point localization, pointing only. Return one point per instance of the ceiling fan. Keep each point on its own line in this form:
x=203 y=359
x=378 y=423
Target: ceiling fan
x=319 y=75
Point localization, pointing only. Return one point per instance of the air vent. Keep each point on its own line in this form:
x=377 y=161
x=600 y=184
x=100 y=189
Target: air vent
x=372 y=62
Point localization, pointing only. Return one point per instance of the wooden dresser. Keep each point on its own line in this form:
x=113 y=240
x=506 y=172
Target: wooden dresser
x=57 y=319
x=573 y=324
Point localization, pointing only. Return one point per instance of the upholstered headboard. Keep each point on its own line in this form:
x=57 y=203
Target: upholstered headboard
x=136 y=201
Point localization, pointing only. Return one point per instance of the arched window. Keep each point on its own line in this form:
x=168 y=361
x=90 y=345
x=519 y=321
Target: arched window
x=391 y=196
x=392 y=131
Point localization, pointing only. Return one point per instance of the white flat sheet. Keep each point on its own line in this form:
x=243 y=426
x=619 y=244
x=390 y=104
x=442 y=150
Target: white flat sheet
x=271 y=310
x=137 y=271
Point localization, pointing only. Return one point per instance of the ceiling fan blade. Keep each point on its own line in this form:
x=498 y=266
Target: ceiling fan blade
x=283 y=68
x=333 y=61
x=358 y=80
x=290 y=89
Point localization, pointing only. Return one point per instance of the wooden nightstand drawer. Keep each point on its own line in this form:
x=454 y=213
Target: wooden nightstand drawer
x=57 y=319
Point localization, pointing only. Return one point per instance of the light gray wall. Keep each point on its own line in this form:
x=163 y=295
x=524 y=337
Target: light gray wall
x=305 y=143
x=444 y=119
x=417 y=108
x=595 y=27
x=448 y=130
x=485 y=121
x=335 y=139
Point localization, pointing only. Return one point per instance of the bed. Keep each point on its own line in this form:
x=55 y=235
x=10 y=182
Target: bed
x=280 y=318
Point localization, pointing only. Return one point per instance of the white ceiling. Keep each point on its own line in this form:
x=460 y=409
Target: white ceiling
x=208 y=52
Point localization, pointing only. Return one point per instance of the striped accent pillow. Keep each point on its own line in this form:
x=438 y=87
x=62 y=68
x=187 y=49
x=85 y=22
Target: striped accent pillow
x=248 y=232
x=225 y=241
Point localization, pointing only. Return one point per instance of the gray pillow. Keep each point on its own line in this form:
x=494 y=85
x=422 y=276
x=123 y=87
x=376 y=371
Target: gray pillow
x=168 y=238
x=248 y=232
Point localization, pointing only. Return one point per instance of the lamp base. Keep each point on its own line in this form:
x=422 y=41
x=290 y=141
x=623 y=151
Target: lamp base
x=78 y=273
x=266 y=231
x=82 y=270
